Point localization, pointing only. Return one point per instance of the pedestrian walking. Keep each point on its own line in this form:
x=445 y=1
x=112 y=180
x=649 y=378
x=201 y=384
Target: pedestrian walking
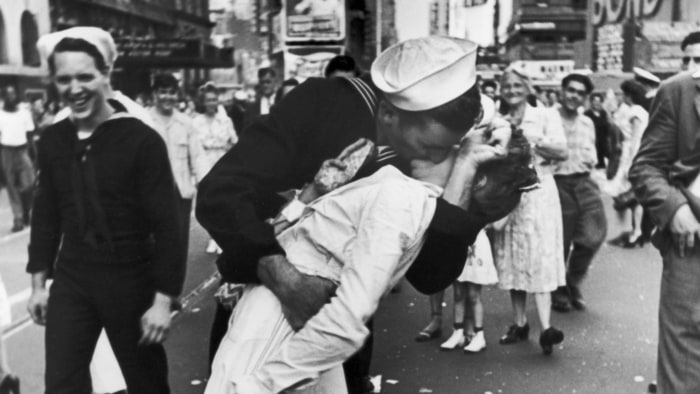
x=216 y=133
x=632 y=126
x=583 y=214
x=528 y=244
x=664 y=175
x=16 y=126
x=265 y=91
x=188 y=158
x=106 y=226
x=602 y=129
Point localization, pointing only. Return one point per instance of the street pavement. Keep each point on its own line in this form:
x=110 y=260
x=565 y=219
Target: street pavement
x=610 y=348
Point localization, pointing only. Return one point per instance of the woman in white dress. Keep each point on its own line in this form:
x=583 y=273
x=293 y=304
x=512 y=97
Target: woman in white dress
x=528 y=245
x=632 y=122
x=215 y=130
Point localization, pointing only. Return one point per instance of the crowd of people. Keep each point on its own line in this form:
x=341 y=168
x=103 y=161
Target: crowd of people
x=320 y=197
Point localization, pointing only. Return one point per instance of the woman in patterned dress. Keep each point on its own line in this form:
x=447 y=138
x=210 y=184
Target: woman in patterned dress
x=528 y=245
x=216 y=132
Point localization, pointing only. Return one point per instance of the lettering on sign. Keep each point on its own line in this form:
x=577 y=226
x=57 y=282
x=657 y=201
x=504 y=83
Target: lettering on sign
x=614 y=11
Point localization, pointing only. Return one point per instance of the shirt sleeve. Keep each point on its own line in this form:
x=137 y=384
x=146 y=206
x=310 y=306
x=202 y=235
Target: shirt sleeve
x=45 y=233
x=589 y=138
x=553 y=127
x=199 y=166
x=240 y=192
x=158 y=195
x=28 y=122
x=392 y=221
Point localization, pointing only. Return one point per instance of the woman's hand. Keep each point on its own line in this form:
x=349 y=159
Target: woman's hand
x=485 y=143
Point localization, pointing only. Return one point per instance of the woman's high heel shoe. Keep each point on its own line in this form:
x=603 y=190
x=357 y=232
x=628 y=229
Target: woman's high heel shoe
x=515 y=333
x=9 y=385
x=632 y=243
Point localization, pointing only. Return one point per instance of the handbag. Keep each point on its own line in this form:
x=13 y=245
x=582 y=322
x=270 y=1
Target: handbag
x=624 y=200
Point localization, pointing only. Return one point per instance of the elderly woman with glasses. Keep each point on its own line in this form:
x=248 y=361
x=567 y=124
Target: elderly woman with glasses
x=528 y=244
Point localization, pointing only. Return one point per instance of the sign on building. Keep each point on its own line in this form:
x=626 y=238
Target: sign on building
x=304 y=62
x=544 y=72
x=314 y=20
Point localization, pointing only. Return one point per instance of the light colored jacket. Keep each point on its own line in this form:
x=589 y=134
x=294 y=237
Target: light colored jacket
x=185 y=151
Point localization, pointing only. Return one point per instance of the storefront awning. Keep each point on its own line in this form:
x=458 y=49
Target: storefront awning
x=172 y=53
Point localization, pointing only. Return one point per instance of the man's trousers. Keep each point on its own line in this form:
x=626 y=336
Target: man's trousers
x=585 y=224
x=84 y=298
x=678 y=361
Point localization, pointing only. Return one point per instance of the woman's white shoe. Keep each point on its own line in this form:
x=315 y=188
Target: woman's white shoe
x=477 y=344
x=456 y=340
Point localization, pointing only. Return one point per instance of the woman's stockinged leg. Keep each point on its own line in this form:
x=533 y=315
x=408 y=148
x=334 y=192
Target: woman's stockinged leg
x=434 y=328
x=543 y=301
x=518 y=299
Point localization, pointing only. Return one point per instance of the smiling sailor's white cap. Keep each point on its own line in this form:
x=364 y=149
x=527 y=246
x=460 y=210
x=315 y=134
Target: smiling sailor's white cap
x=424 y=73
x=100 y=38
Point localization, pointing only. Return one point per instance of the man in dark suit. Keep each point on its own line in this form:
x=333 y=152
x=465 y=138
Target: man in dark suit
x=265 y=95
x=663 y=176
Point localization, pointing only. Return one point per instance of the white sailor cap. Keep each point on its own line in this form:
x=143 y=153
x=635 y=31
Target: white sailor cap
x=424 y=73
x=100 y=38
x=645 y=76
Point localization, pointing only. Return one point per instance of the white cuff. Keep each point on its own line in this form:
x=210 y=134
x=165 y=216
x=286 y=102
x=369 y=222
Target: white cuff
x=293 y=211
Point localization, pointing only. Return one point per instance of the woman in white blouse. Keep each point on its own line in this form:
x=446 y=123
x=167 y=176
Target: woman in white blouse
x=216 y=132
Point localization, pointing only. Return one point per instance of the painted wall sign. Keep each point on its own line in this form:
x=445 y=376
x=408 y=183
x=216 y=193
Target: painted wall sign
x=614 y=11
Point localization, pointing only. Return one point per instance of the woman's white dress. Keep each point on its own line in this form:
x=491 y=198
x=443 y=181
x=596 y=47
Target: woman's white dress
x=529 y=248
x=479 y=268
x=217 y=135
x=630 y=145
x=362 y=236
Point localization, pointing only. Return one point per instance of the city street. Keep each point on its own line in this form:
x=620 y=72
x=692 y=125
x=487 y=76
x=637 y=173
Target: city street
x=610 y=348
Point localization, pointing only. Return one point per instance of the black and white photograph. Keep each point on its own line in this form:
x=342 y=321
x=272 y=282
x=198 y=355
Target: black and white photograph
x=349 y=196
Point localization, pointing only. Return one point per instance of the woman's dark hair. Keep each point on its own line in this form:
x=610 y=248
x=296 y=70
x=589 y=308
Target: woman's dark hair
x=634 y=90
x=164 y=81
x=460 y=114
x=69 y=44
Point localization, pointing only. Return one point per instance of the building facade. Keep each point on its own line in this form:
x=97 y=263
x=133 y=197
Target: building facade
x=645 y=34
x=21 y=25
x=546 y=29
x=151 y=36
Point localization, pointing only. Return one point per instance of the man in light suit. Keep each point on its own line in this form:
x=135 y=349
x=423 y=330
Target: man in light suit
x=663 y=175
